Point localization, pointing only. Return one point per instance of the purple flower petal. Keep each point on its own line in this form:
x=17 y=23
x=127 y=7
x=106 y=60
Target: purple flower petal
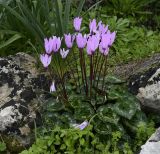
x=82 y=125
x=81 y=40
x=93 y=26
x=48 y=45
x=56 y=43
x=92 y=44
x=69 y=39
x=77 y=23
x=45 y=59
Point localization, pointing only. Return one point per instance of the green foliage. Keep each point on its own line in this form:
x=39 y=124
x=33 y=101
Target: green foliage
x=67 y=141
x=127 y=7
x=29 y=22
x=144 y=12
x=115 y=111
x=130 y=43
x=143 y=131
x=2 y=146
x=85 y=141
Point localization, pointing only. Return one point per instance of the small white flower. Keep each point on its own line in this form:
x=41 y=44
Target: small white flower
x=82 y=125
x=64 y=53
x=52 y=87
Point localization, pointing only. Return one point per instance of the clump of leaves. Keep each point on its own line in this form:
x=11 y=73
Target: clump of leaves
x=144 y=12
x=24 y=24
x=116 y=110
x=78 y=141
x=67 y=141
x=142 y=134
x=2 y=147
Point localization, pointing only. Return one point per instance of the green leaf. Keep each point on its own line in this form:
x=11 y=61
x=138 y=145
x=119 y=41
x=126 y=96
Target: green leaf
x=113 y=79
x=10 y=40
x=114 y=95
x=58 y=5
x=66 y=15
x=33 y=20
x=2 y=146
x=80 y=7
x=138 y=118
x=8 y=32
x=54 y=105
x=126 y=107
x=85 y=111
x=63 y=146
x=102 y=127
x=50 y=142
x=24 y=21
x=107 y=114
x=100 y=146
x=94 y=5
x=82 y=141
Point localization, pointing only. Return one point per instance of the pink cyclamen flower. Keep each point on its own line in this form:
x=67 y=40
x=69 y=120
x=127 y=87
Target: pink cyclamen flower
x=52 y=87
x=102 y=28
x=104 y=44
x=82 y=125
x=48 y=45
x=92 y=44
x=93 y=26
x=56 y=43
x=77 y=23
x=45 y=59
x=69 y=39
x=105 y=40
x=112 y=38
x=81 y=40
x=104 y=51
x=64 y=53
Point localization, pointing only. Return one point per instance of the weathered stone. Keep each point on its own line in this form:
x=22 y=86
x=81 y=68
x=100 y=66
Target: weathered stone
x=125 y=71
x=146 y=85
x=19 y=100
x=143 y=79
x=152 y=146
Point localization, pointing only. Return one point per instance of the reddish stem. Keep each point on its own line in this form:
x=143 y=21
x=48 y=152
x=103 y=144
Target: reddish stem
x=91 y=75
x=81 y=64
x=84 y=71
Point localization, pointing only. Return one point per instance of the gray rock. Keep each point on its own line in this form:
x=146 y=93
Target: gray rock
x=22 y=89
x=143 y=79
x=146 y=86
x=152 y=146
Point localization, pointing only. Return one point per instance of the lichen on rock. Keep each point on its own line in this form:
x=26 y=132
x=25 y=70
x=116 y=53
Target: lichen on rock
x=8 y=116
x=19 y=100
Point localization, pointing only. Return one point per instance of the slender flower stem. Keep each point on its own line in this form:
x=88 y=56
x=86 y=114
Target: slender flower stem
x=65 y=92
x=81 y=64
x=63 y=84
x=91 y=75
x=57 y=70
x=84 y=71
x=77 y=70
x=97 y=64
x=72 y=72
x=104 y=74
x=103 y=60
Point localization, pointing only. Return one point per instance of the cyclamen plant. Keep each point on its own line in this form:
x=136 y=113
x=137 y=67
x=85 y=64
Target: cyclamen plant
x=93 y=48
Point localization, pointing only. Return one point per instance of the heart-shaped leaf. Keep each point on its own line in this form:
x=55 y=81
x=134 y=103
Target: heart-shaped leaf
x=107 y=114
